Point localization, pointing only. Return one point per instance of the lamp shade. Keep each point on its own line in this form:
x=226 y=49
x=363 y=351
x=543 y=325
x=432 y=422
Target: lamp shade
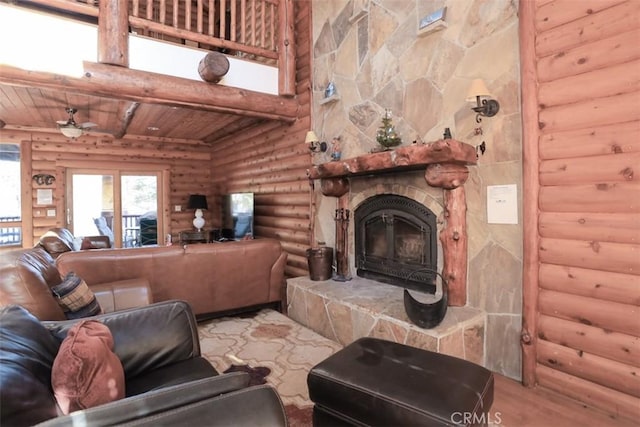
x=197 y=201
x=71 y=131
x=477 y=88
x=311 y=137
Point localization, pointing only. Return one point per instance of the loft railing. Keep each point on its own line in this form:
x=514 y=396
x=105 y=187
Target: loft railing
x=260 y=30
x=244 y=27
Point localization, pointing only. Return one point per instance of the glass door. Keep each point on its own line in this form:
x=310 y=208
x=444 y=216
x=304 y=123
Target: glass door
x=139 y=210
x=91 y=207
x=120 y=204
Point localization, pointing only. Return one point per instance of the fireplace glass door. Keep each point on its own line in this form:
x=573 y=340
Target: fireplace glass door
x=396 y=242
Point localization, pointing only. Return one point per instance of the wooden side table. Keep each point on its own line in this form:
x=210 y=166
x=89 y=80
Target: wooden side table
x=194 y=236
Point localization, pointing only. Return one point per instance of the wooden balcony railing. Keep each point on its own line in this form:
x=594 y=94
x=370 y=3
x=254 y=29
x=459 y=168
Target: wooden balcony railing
x=260 y=30
x=10 y=236
x=245 y=27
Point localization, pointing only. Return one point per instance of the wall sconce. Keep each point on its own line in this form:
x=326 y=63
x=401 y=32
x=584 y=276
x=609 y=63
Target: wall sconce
x=314 y=143
x=485 y=106
x=44 y=179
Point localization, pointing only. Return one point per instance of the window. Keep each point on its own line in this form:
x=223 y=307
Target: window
x=121 y=204
x=10 y=208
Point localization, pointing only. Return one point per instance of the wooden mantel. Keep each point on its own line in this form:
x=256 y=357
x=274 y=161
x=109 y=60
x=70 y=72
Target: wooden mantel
x=445 y=162
x=411 y=157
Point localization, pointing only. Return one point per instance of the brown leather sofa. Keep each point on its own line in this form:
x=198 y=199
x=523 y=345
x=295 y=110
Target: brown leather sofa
x=27 y=275
x=212 y=277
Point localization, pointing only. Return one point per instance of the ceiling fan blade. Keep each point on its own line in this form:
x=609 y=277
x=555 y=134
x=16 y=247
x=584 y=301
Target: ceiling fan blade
x=88 y=125
x=62 y=122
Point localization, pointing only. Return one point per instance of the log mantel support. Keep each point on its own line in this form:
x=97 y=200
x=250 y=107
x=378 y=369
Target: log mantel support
x=448 y=172
x=454 y=245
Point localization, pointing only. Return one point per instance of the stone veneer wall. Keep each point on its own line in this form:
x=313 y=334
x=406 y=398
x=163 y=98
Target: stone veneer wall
x=378 y=61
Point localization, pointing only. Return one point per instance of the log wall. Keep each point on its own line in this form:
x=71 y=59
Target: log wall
x=582 y=292
x=271 y=160
x=188 y=164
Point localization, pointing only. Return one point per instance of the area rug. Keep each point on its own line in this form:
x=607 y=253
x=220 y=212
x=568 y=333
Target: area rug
x=272 y=347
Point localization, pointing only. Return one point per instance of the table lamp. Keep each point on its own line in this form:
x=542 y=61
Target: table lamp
x=198 y=202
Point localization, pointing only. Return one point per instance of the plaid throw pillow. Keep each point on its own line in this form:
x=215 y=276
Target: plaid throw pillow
x=75 y=297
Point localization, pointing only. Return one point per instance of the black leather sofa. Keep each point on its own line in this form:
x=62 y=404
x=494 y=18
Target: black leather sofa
x=166 y=379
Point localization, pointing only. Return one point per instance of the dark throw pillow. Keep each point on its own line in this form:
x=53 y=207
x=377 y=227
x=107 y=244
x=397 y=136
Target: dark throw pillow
x=75 y=298
x=86 y=372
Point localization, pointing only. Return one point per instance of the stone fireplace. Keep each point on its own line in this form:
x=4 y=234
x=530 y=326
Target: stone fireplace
x=396 y=242
x=402 y=224
x=366 y=50
x=444 y=166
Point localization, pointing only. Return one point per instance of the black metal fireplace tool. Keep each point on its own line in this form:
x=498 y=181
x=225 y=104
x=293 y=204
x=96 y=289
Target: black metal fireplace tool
x=426 y=315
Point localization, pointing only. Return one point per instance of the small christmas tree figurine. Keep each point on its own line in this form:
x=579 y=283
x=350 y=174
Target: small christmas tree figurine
x=386 y=135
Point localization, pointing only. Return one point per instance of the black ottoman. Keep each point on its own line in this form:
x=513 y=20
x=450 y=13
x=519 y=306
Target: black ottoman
x=382 y=383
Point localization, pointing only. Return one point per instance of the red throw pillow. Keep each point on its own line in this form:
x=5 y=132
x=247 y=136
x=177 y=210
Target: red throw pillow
x=86 y=372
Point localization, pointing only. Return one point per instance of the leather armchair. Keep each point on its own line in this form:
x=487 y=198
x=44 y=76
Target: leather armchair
x=57 y=241
x=166 y=378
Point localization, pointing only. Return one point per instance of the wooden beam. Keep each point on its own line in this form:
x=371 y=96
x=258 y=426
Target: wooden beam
x=446 y=175
x=531 y=187
x=410 y=157
x=26 y=198
x=141 y=86
x=126 y=120
x=287 y=50
x=113 y=33
x=70 y=6
x=213 y=67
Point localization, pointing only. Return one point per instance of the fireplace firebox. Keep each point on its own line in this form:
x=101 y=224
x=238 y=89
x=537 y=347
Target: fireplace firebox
x=396 y=242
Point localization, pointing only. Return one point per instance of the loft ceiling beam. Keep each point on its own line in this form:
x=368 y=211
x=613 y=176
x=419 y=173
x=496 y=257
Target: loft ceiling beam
x=126 y=120
x=141 y=86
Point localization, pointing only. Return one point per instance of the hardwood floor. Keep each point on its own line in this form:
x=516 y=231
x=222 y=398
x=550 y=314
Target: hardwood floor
x=518 y=406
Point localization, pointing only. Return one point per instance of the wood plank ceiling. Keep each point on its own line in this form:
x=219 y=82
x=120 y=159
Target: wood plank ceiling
x=34 y=108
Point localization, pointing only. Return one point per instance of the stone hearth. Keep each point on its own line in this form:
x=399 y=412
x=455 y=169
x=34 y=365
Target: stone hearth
x=346 y=311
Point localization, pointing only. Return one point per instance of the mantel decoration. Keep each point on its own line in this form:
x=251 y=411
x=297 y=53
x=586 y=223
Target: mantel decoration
x=430 y=314
x=330 y=90
x=386 y=135
x=336 y=149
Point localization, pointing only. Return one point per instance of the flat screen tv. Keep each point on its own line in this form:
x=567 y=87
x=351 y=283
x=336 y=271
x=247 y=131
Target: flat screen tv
x=237 y=216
